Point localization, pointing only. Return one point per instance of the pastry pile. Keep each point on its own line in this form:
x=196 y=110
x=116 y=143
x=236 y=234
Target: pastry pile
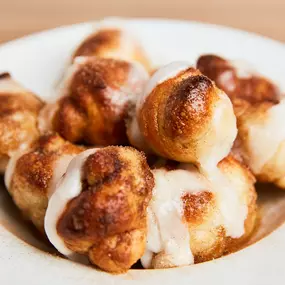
x=129 y=165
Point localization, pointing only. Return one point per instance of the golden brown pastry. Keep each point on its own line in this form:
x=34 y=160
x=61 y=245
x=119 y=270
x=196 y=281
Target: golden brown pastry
x=94 y=101
x=99 y=208
x=111 y=42
x=19 y=109
x=183 y=116
x=31 y=176
x=238 y=80
x=186 y=221
x=260 y=111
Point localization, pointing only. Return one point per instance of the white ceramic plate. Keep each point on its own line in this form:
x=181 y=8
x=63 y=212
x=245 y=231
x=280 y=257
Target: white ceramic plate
x=37 y=61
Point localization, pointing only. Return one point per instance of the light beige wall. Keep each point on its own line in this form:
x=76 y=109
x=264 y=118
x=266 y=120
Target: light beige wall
x=20 y=17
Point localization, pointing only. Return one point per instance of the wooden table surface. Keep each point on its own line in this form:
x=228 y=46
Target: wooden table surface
x=22 y=17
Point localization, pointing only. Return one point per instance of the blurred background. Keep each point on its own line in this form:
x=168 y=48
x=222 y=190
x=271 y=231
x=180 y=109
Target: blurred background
x=22 y=17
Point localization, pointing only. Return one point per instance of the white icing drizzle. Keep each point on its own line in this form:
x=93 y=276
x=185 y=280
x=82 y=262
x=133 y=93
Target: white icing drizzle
x=128 y=92
x=137 y=78
x=136 y=137
x=233 y=210
x=222 y=133
x=265 y=135
x=118 y=96
x=59 y=168
x=220 y=143
x=167 y=230
x=67 y=188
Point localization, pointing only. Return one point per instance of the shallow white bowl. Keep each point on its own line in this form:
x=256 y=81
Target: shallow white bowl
x=37 y=61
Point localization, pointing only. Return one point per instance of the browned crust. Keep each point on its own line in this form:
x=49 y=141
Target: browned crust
x=70 y=121
x=5 y=75
x=107 y=221
x=213 y=66
x=98 y=43
x=258 y=89
x=177 y=113
x=36 y=166
x=18 y=118
x=11 y=103
x=107 y=43
x=252 y=97
x=88 y=114
x=33 y=173
x=98 y=73
x=189 y=101
x=197 y=206
x=253 y=89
